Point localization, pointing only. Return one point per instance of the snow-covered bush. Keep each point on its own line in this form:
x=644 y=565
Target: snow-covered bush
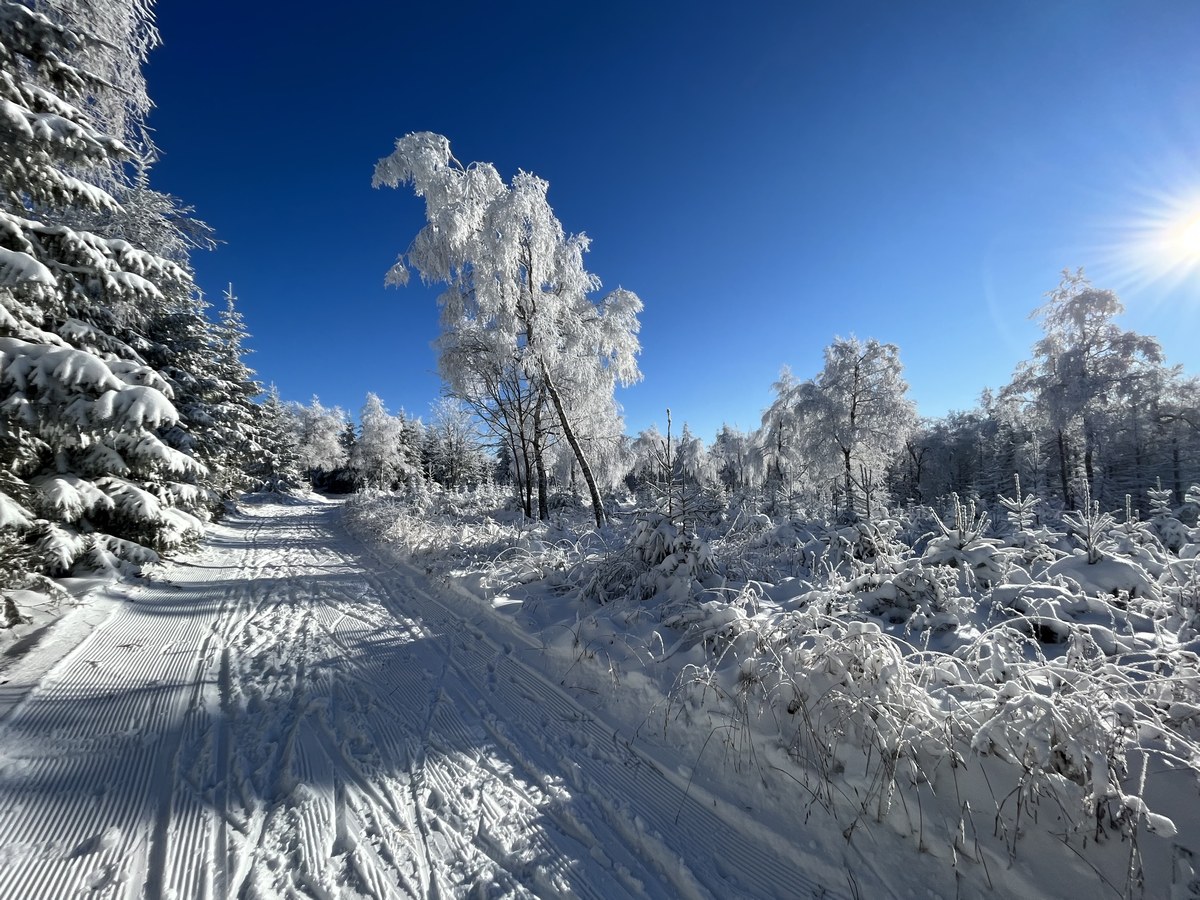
x=660 y=562
x=963 y=546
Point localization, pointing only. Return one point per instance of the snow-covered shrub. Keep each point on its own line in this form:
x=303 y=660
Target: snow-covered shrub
x=915 y=594
x=1107 y=574
x=1070 y=727
x=565 y=500
x=1034 y=543
x=850 y=549
x=844 y=693
x=533 y=557
x=19 y=575
x=963 y=546
x=1189 y=511
x=719 y=623
x=917 y=524
x=660 y=561
x=1170 y=530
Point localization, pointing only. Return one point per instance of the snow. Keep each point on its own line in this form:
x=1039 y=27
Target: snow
x=12 y=514
x=283 y=714
x=958 y=728
x=426 y=706
x=18 y=268
x=134 y=407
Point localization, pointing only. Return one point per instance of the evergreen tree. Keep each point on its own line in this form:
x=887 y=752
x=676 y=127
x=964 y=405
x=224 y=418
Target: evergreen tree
x=86 y=468
x=235 y=427
x=277 y=465
x=380 y=459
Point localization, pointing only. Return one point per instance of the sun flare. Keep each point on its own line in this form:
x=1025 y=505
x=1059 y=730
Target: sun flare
x=1178 y=242
x=1162 y=245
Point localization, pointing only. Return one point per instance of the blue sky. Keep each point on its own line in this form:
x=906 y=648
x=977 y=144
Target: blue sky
x=764 y=175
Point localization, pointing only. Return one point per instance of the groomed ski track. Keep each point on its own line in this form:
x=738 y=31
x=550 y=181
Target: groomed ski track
x=282 y=715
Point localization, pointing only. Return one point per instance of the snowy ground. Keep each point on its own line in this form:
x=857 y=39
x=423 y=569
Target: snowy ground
x=281 y=714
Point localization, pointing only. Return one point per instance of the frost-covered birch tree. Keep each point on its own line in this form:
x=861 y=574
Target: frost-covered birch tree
x=379 y=458
x=844 y=427
x=782 y=452
x=861 y=412
x=731 y=458
x=320 y=448
x=516 y=290
x=452 y=450
x=1084 y=367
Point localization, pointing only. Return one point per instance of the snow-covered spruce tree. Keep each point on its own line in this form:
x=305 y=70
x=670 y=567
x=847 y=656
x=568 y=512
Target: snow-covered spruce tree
x=124 y=34
x=675 y=473
x=234 y=431
x=200 y=358
x=276 y=467
x=85 y=468
x=515 y=279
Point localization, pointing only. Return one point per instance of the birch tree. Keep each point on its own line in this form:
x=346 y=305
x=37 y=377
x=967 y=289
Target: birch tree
x=731 y=458
x=1084 y=367
x=452 y=449
x=843 y=427
x=861 y=412
x=319 y=444
x=516 y=287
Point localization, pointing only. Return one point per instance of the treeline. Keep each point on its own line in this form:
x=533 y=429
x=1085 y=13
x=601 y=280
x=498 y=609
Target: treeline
x=322 y=446
x=1096 y=412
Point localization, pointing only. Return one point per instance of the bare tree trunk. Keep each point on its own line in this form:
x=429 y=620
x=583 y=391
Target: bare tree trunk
x=1062 y=470
x=669 y=473
x=543 y=496
x=1176 y=468
x=552 y=389
x=849 y=484
x=527 y=478
x=569 y=433
x=516 y=465
x=539 y=462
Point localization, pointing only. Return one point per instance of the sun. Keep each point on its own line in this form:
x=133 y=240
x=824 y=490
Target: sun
x=1161 y=246
x=1179 y=241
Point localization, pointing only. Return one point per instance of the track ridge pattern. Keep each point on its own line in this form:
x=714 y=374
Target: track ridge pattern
x=280 y=715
